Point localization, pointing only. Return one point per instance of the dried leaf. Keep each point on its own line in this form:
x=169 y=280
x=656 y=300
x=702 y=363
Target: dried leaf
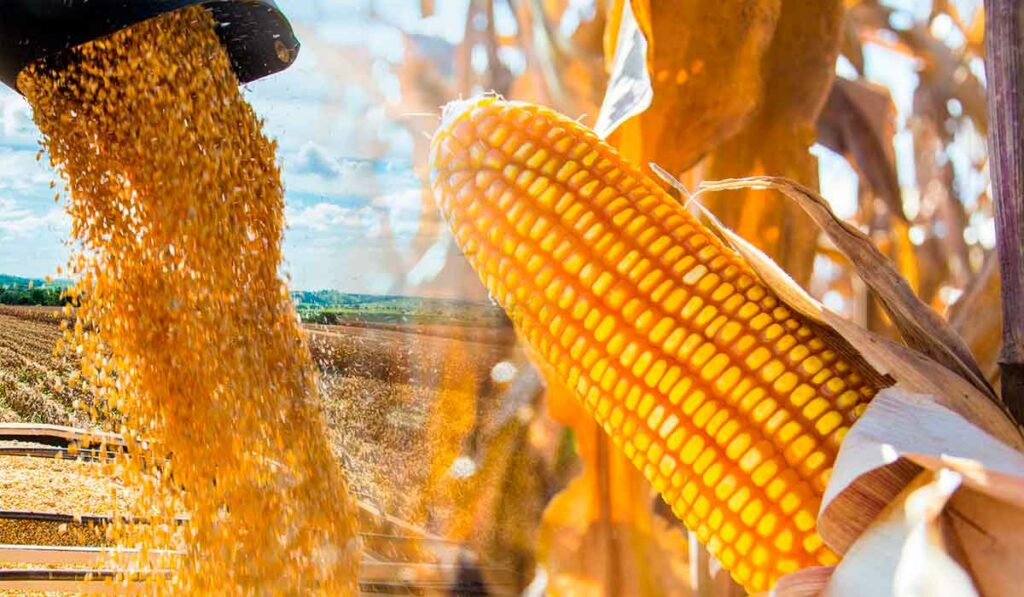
x=704 y=61
x=920 y=327
x=978 y=317
x=798 y=69
x=943 y=69
x=858 y=123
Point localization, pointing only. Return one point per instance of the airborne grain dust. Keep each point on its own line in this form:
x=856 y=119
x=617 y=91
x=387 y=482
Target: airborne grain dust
x=186 y=332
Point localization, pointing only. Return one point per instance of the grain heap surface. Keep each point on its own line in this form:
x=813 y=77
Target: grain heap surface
x=187 y=334
x=732 y=406
x=52 y=486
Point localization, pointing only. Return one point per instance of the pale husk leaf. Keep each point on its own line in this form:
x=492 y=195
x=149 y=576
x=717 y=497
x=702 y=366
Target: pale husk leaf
x=629 y=90
x=990 y=533
x=899 y=433
x=904 y=552
x=956 y=529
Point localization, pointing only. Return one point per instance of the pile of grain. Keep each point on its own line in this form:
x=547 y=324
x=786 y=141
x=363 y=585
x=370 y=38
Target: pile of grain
x=54 y=485
x=186 y=332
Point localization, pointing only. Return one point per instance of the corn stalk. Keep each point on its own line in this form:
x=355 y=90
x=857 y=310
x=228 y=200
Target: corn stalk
x=1004 y=36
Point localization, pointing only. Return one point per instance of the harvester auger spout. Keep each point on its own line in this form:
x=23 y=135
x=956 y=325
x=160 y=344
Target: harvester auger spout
x=258 y=37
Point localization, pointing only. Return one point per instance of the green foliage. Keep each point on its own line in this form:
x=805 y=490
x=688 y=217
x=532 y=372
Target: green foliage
x=334 y=298
x=50 y=297
x=31 y=291
x=333 y=307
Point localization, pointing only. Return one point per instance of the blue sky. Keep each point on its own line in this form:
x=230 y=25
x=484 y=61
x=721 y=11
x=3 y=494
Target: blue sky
x=353 y=203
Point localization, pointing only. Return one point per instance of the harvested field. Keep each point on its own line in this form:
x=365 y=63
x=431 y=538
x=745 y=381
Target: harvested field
x=43 y=314
x=402 y=404
x=493 y=335
x=34 y=382
x=379 y=385
x=35 y=532
x=406 y=355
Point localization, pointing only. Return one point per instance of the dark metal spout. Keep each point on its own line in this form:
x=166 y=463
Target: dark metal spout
x=257 y=36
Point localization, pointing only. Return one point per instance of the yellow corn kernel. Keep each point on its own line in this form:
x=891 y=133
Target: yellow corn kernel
x=751 y=415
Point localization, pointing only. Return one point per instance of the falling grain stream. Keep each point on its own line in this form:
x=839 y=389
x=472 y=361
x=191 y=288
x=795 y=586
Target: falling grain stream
x=186 y=333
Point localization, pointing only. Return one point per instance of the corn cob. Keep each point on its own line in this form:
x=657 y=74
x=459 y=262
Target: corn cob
x=732 y=406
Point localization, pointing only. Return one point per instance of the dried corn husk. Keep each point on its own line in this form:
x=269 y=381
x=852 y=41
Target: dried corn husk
x=956 y=529
x=704 y=63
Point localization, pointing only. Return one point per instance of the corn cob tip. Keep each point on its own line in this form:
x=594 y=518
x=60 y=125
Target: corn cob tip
x=457 y=121
x=455 y=108
x=451 y=111
x=451 y=114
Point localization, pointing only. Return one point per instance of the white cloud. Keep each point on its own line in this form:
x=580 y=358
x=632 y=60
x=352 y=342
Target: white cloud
x=16 y=221
x=315 y=171
x=405 y=200
x=404 y=210
x=15 y=117
x=327 y=216
x=314 y=159
x=21 y=171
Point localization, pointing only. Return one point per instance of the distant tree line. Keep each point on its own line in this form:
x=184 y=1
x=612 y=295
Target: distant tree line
x=335 y=298
x=21 y=295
